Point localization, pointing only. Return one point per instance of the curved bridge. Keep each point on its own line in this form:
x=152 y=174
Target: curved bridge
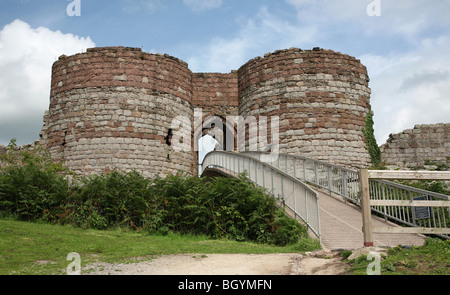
x=322 y=196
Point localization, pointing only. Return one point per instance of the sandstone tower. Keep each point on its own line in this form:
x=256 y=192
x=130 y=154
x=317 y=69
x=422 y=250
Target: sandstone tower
x=112 y=108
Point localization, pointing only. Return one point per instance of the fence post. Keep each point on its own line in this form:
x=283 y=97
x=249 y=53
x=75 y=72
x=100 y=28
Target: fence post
x=316 y=175
x=344 y=185
x=330 y=182
x=365 y=206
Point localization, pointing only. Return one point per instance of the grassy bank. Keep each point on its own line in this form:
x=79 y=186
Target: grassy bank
x=31 y=248
x=431 y=259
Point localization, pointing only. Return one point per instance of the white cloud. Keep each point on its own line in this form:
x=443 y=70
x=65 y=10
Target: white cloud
x=410 y=88
x=263 y=33
x=202 y=5
x=26 y=58
x=404 y=17
x=406 y=51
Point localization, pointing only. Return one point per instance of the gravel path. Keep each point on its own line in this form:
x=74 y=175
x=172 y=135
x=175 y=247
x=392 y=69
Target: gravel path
x=315 y=263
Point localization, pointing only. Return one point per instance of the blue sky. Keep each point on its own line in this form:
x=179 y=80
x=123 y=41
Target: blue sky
x=406 y=48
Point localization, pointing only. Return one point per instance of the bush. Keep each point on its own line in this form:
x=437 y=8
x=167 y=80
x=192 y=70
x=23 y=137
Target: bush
x=114 y=199
x=32 y=186
x=180 y=200
x=239 y=209
x=222 y=208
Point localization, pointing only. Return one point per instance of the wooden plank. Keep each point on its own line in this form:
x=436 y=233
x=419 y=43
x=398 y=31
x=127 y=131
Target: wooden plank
x=411 y=230
x=413 y=175
x=365 y=206
x=410 y=203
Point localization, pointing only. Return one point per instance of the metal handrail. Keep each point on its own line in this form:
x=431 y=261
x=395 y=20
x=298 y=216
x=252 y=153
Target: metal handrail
x=339 y=180
x=345 y=183
x=425 y=217
x=291 y=191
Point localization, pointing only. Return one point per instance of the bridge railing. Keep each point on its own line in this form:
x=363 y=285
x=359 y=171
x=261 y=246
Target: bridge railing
x=341 y=181
x=297 y=196
x=347 y=184
x=424 y=217
x=423 y=211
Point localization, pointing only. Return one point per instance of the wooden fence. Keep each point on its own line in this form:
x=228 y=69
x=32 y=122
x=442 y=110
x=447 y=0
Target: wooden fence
x=366 y=175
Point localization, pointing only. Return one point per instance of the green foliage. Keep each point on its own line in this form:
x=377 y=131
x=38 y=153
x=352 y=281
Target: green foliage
x=227 y=208
x=114 y=199
x=439 y=166
x=433 y=258
x=221 y=208
x=371 y=142
x=433 y=186
x=430 y=185
x=34 y=188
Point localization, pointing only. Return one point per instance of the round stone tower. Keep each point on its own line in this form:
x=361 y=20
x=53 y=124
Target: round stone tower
x=321 y=98
x=112 y=108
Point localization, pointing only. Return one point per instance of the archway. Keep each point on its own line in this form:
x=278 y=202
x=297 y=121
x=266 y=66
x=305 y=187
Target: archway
x=212 y=135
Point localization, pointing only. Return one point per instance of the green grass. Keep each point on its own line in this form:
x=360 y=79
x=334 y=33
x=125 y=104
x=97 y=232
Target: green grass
x=31 y=248
x=431 y=259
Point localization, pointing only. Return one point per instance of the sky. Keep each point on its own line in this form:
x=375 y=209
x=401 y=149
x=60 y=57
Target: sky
x=405 y=45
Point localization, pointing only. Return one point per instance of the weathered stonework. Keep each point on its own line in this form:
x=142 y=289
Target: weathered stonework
x=3 y=149
x=424 y=144
x=112 y=108
x=321 y=97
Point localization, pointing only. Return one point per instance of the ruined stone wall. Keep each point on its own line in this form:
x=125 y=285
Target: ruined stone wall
x=424 y=144
x=112 y=108
x=321 y=97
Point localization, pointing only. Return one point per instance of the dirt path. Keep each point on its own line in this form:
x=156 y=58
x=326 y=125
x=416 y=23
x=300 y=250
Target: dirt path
x=315 y=263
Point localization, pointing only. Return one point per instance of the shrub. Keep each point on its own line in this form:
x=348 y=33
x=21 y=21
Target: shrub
x=32 y=186
x=113 y=199
x=221 y=208
x=181 y=199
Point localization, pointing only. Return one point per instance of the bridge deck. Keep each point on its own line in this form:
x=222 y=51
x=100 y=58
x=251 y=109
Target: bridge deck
x=341 y=223
x=341 y=227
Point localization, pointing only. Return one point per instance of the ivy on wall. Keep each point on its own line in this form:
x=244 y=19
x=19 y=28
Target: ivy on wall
x=371 y=142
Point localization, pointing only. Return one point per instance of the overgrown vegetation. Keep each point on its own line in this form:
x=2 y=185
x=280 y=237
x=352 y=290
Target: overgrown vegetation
x=431 y=259
x=433 y=186
x=371 y=142
x=34 y=188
